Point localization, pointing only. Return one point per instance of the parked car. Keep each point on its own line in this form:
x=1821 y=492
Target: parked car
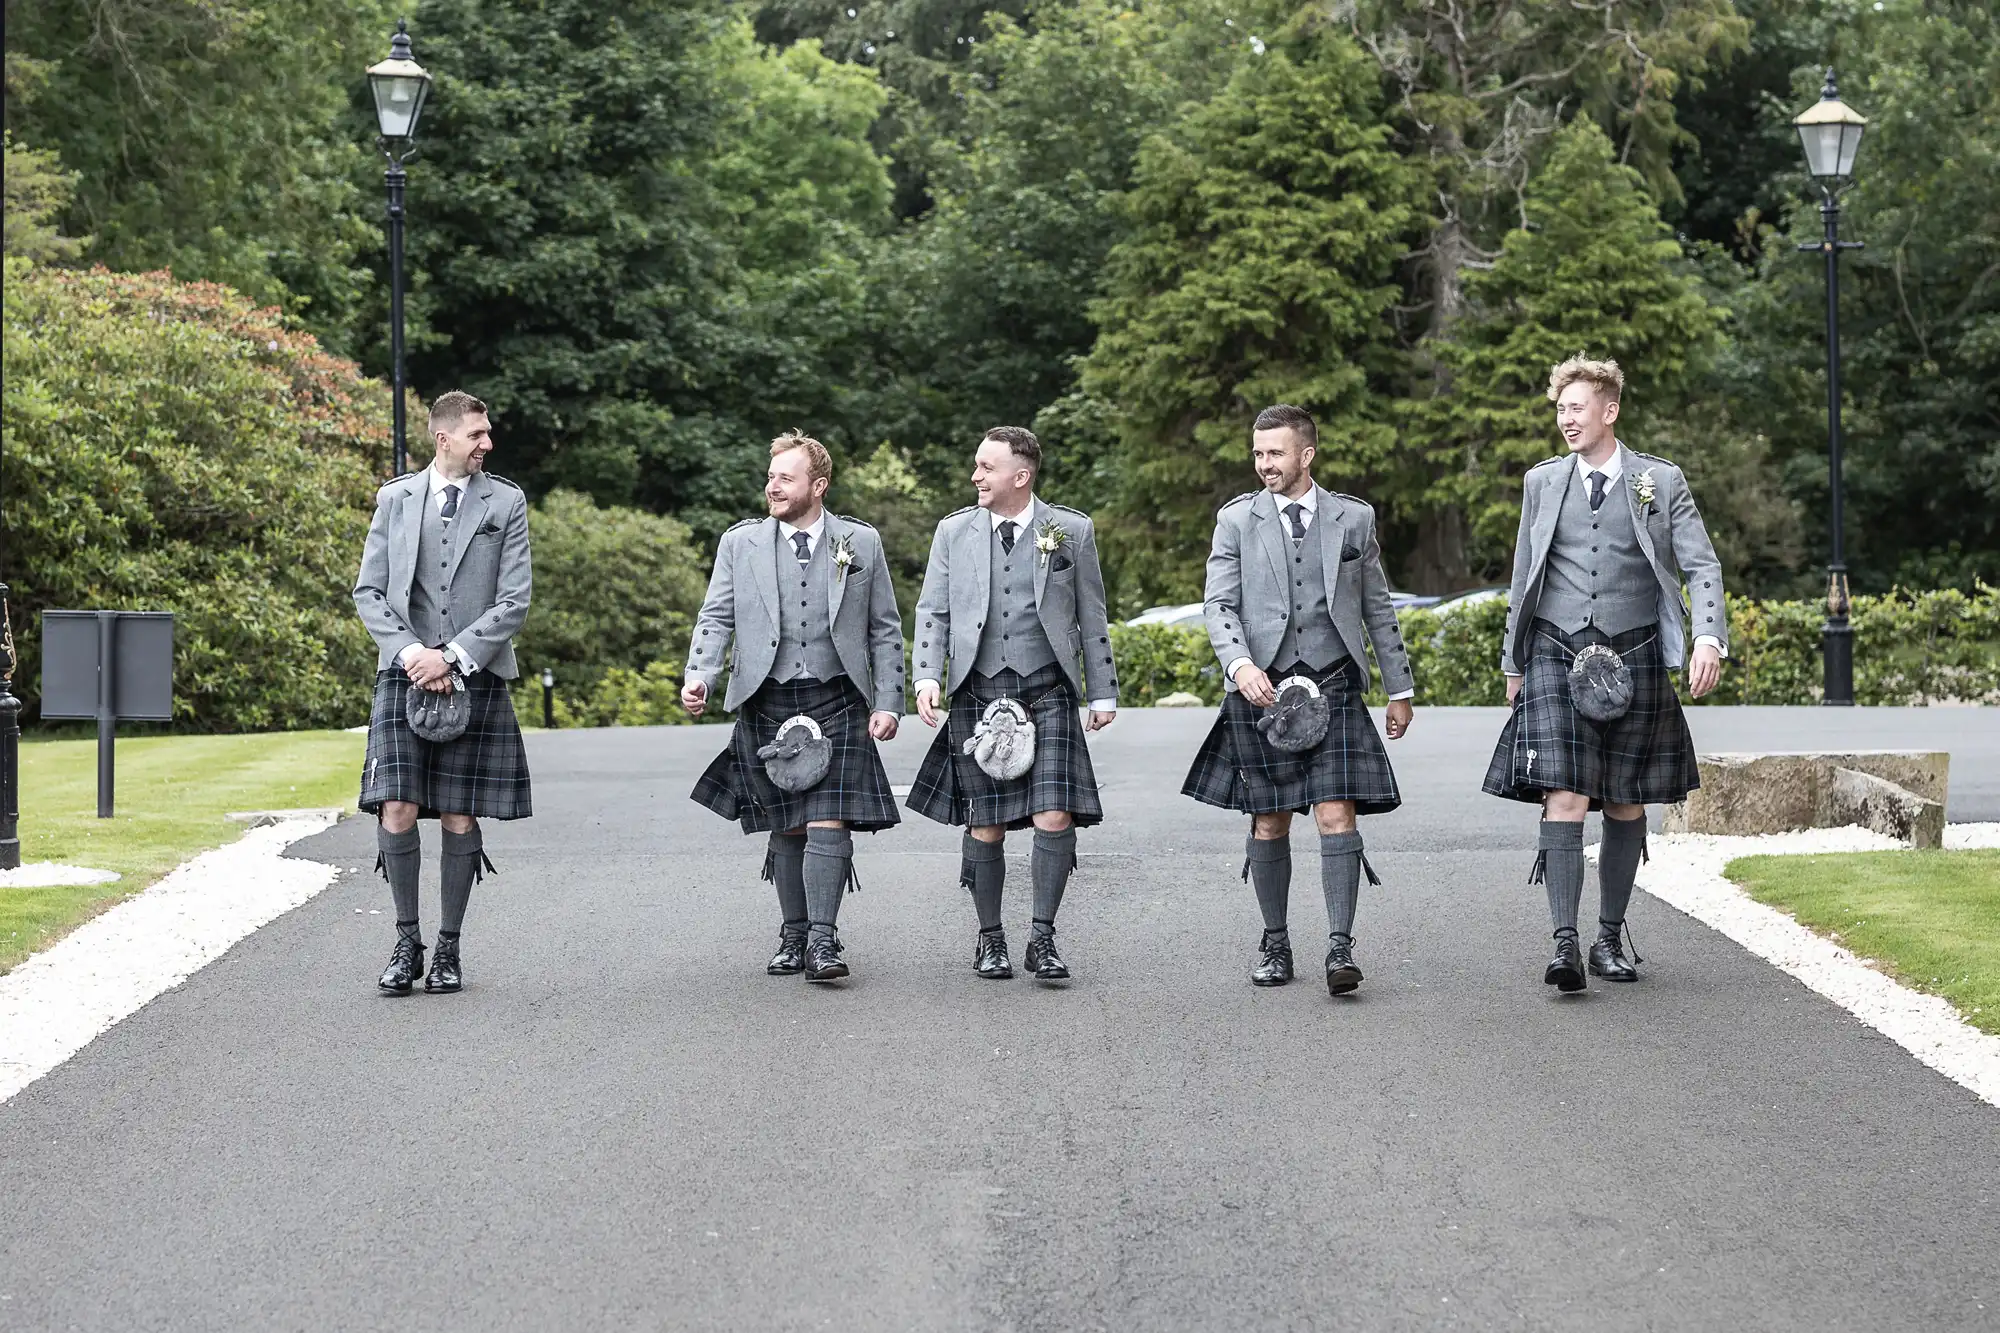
x=1459 y=601
x=1187 y=615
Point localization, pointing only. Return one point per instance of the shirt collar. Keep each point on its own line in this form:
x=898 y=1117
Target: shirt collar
x=1310 y=501
x=1024 y=518
x=812 y=529
x=1613 y=468
x=438 y=481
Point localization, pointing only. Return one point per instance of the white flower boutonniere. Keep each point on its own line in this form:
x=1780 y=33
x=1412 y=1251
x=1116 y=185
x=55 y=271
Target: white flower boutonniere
x=1642 y=490
x=843 y=554
x=1050 y=537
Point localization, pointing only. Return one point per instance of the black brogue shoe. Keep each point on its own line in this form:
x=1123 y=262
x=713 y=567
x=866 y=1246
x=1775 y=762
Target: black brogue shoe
x=1342 y=975
x=1607 y=957
x=823 y=959
x=406 y=964
x=989 y=956
x=1043 y=960
x=790 y=959
x=1565 y=970
x=1276 y=969
x=443 y=977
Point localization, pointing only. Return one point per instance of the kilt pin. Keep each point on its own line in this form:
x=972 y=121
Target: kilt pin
x=804 y=620
x=1612 y=554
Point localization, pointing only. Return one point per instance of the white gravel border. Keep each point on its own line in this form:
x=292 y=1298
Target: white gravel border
x=1686 y=872
x=62 y=999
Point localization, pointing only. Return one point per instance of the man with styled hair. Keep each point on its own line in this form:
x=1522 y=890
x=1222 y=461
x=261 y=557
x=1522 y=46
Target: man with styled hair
x=1011 y=621
x=1596 y=621
x=801 y=611
x=443 y=589
x=1295 y=587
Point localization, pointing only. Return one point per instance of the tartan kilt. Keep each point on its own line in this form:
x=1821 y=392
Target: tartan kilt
x=483 y=773
x=1238 y=769
x=855 y=789
x=952 y=788
x=1646 y=757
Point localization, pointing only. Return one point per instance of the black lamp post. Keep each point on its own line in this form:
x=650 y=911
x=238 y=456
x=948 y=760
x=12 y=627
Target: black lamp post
x=400 y=85
x=1830 y=130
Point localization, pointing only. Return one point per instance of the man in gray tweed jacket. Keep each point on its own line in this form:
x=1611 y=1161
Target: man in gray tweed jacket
x=1608 y=539
x=801 y=611
x=444 y=584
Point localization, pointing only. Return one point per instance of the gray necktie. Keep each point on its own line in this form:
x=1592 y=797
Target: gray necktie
x=450 y=502
x=1296 y=512
x=1597 y=481
x=803 y=541
x=1007 y=529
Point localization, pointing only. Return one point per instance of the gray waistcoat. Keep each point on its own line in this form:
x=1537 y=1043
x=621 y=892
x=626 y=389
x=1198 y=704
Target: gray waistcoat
x=805 y=635
x=1310 y=636
x=1596 y=573
x=430 y=609
x=1013 y=636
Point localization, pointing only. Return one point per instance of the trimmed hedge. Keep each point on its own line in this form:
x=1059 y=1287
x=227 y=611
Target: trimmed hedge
x=1910 y=648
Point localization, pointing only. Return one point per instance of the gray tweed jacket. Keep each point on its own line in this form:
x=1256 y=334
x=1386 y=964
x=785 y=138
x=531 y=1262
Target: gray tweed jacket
x=488 y=584
x=1670 y=532
x=742 y=606
x=1247 y=603
x=1069 y=594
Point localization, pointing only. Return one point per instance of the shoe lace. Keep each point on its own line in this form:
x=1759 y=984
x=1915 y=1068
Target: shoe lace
x=1275 y=944
x=409 y=952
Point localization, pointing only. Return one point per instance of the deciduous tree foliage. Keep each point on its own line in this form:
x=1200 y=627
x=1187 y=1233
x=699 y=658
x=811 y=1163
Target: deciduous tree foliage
x=1262 y=238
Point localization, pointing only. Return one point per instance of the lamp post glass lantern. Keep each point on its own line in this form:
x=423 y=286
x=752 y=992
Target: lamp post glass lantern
x=400 y=86
x=1830 y=133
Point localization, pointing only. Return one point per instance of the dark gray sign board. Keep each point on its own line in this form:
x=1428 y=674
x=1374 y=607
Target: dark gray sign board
x=111 y=665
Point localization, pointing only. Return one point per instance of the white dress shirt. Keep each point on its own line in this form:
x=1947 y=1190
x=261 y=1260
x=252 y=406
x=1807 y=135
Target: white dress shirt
x=1613 y=468
x=438 y=481
x=812 y=531
x=1022 y=521
x=1309 y=504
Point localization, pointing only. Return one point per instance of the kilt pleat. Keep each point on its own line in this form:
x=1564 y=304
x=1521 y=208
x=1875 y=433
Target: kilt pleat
x=855 y=789
x=483 y=773
x=1237 y=769
x=1646 y=757
x=952 y=788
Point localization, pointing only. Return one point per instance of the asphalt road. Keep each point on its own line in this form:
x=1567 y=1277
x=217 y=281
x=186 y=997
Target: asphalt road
x=623 y=1123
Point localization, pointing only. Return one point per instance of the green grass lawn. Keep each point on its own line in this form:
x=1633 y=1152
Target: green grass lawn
x=172 y=793
x=1931 y=919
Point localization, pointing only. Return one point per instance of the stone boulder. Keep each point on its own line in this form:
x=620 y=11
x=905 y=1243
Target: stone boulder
x=1774 y=793
x=1180 y=699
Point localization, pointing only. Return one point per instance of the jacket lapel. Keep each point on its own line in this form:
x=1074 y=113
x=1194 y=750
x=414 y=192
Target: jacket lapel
x=1030 y=519
x=1332 y=541
x=764 y=565
x=465 y=523
x=1555 y=492
x=836 y=578
x=1628 y=471
x=977 y=534
x=409 y=532
x=1271 y=536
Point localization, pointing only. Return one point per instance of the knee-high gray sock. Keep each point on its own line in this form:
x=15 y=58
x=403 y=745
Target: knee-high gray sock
x=400 y=858
x=1340 y=864
x=1559 y=868
x=829 y=865
x=458 y=868
x=785 y=867
x=1267 y=865
x=1054 y=858
x=1618 y=866
x=984 y=873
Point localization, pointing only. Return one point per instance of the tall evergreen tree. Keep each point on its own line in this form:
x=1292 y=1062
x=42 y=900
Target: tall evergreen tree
x=1257 y=268
x=1594 y=270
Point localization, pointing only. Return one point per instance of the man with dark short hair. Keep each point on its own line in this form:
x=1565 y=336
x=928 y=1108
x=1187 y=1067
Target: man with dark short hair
x=444 y=585
x=1012 y=621
x=1608 y=539
x=1295 y=585
x=801 y=611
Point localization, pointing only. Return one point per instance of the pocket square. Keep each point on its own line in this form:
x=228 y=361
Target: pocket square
x=1350 y=552
x=1061 y=562
x=487 y=530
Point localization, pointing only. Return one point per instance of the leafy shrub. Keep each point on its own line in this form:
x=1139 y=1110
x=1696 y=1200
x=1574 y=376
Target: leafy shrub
x=613 y=588
x=620 y=697
x=169 y=446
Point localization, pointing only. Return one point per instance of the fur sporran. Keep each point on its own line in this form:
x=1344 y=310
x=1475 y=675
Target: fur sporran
x=799 y=757
x=1298 y=720
x=440 y=715
x=1600 y=684
x=1003 y=744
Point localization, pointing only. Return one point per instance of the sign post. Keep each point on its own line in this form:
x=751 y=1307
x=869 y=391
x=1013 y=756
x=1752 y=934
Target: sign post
x=110 y=665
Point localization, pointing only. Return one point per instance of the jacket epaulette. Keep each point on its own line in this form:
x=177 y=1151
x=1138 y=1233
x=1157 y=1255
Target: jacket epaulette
x=504 y=481
x=1651 y=458
x=1231 y=504
x=956 y=512
x=857 y=522
x=1351 y=499
x=1559 y=458
x=1069 y=509
x=742 y=523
